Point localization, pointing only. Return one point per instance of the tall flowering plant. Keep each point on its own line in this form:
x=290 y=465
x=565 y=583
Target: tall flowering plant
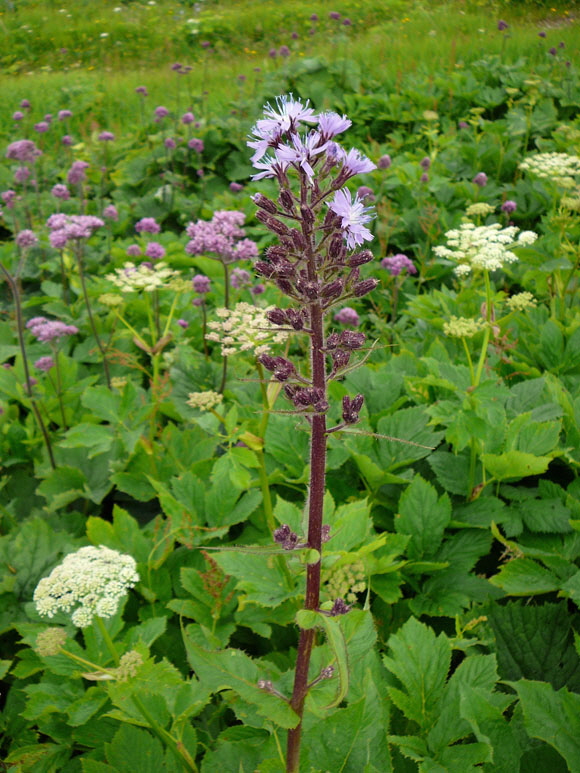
x=320 y=227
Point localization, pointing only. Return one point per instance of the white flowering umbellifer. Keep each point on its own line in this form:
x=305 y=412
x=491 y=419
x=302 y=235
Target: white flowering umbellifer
x=479 y=209
x=245 y=328
x=147 y=276
x=90 y=582
x=487 y=247
x=521 y=302
x=463 y=327
x=560 y=168
x=204 y=400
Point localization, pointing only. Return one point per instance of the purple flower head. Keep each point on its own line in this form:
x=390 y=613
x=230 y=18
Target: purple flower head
x=301 y=152
x=110 y=212
x=17 y=116
x=553 y=51
x=561 y=44
x=397 y=264
x=201 y=284
x=142 y=90
x=284 y=51
x=364 y=192
x=25 y=104
x=187 y=118
x=509 y=206
x=176 y=66
x=49 y=329
x=294 y=36
x=22 y=174
x=48 y=118
x=106 y=137
x=331 y=124
x=355 y=163
x=346 y=23
x=70 y=227
x=347 y=316
x=134 y=251
x=334 y=15
x=170 y=143
x=480 y=179
x=147 y=225
x=200 y=172
x=205 y=44
x=463 y=125
x=197 y=301
x=424 y=178
x=272 y=53
x=353 y=217
x=60 y=191
x=183 y=323
x=195 y=144
x=155 y=251
x=44 y=364
x=241 y=78
x=26 y=239
x=76 y=173
x=236 y=187
x=425 y=163
x=24 y=151
x=502 y=25
x=223 y=235
x=284 y=118
x=314 y=17
x=384 y=162
x=8 y=197
x=64 y=114
x=240 y=278
x=542 y=34
x=161 y=112
x=41 y=127
x=67 y=140
x=258 y=289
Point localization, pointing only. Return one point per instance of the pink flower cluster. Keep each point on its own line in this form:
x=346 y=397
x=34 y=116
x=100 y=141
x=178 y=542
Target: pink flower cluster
x=222 y=235
x=76 y=173
x=48 y=329
x=398 y=263
x=64 y=228
x=24 y=151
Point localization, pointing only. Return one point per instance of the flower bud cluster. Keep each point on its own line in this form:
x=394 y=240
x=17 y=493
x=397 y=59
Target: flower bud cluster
x=204 y=401
x=345 y=582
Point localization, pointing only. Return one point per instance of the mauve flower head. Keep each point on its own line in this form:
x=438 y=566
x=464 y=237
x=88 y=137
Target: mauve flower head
x=502 y=25
x=480 y=179
x=542 y=34
x=58 y=239
x=26 y=238
x=346 y=23
x=241 y=78
x=384 y=162
x=353 y=216
x=176 y=66
x=161 y=112
x=553 y=51
x=64 y=114
x=223 y=235
x=8 y=198
x=240 y=278
x=561 y=44
x=425 y=163
x=44 y=364
x=314 y=17
x=509 y=206
x=424 y=178
x=22 y=174
x=106 y=136
x=23 y=150
x=70 y=227
x=76 y=174
x=48 y=329
x=48 y=118
x=334 y=15
x=195 y=144
x=199 y=172
x=155 y=251
x=187 y=118
x=347 y=316
x=17 y=116
x=331 y=124
x=205 y=44
x=272 y=53
x=258 y=289
x=463 y=125
x=110 y=212
x=201 y=283
x=170 y=143
x=398 y=263
x=236 y=187
x=147 y=225
x=197 y=302
x=67 y=140
x=25 y=104
x=41 y=127
x=284 y=51
x=60 y=191
x=364 y=192
x=183 y=323
x=142 y=90
x=134 y=251
x=294 y=36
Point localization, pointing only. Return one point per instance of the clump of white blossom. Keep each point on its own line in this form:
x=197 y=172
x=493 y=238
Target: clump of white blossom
x=346 y=581
x=479 y=209
x=204 y=400
x=521 y=302
x=463 y=327
x=571 y=202
x=560 y=168
x=129 y=664
x=50 y=642
x=147 y=276
x=244 y=328
x=90 y=582
x=486 y=247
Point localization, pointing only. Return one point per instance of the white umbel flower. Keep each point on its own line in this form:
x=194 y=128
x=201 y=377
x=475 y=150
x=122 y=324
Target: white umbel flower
x=245 y=328
x=90 y=582
x=487 y=247
x=560 y=168
x=147 y=276
x=204 y=400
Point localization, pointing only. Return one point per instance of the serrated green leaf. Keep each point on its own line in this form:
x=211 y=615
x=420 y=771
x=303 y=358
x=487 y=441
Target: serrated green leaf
x=62 y=486
x=490 y=726
x=409 y=424
x=307 y=619
x=515 y=464
x=134 y=749
x=94 y=436
x=424 y=517
x=525 y=577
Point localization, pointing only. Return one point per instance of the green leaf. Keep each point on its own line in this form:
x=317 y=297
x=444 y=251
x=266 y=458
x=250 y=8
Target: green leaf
x=123 y=534
x=489 y=725
x=525 y=577
x=62 y=486
x=452 y=471
x=234 y=670
x=515 y=464
x=239 y=749
x=424 y=517
x=309 y=619
x=420 y=661
x=259 y=577
x=134 y=749
x=94 y=436
x=409 y=424
x=553 y=716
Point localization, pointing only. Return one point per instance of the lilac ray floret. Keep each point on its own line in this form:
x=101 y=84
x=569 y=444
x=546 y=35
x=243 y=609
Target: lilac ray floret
x=355 y=163
x=353 y=216
x=302 y=152
x=331 y=124
x=286 y=116
x=270 y=167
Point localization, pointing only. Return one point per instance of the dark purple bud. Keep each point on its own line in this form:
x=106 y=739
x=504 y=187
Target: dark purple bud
x=335 y=247
x=351 y=408
x=502 y=25
x=285 y=286
x=302 y=398
x=361 y=258
x=542 y=34
x=310 y=289
x=332 y=341
x=364 y=287
x=295 y=319
x=290 y=390
x=425 y=163
x=265 y=203
x=284 y=269
x=298 y=240
x=307 y=215
x=267 y=361
x=340 y=358
x=353 y=275
x=351 y=340
x=264 y=269
x=332 y=289
x=340 y=607
x=357 y=403
x=277 y=316
x=282 y=533
x=321 y=406
x=275 y=253
x=286 y=200
x=283 y=369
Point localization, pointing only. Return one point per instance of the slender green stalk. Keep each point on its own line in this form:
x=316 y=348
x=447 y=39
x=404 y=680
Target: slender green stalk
x=107 y=639
x=90 y=313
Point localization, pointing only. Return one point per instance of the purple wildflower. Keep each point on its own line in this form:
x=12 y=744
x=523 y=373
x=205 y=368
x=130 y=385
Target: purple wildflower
x=183 y=323
x=106 y=137
x=331 y=124
x=26 y=238
x=334 y=15
x=347 y=316
x=258 y=289
x=8 y=197
x=236 y=187
x=364 y=192
x=272 y=53
x=142 y=90
x=502 y=25
x=542 y=34
x=509 y=206
x=195 y=144
x=355 y=163
x=24 y=151
x=463 y=125
x=48 y=329
x=147 y=225
x=384 y=162
x=22 y=174
x=17 y=116
x=67 y=140
x=553 y=51
x=161 y=112
x=41 y=127
x=110 y=212
x=155 y=251
x=240 y=278
x=480 y=179
x=346 y=22
x=425 y=163
x=25 y=104
x=314 y=17
x=284 y=51
x=64 y=114
x=223 y=235
x=134 y=251
x=398 y=263
x=353 y=217
x=170 y=143
x=424 y=178
x=44 y=364
x=60 y=191
x=76 y=173
x=48 y=118
x=187 y=118
x=201 y=284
